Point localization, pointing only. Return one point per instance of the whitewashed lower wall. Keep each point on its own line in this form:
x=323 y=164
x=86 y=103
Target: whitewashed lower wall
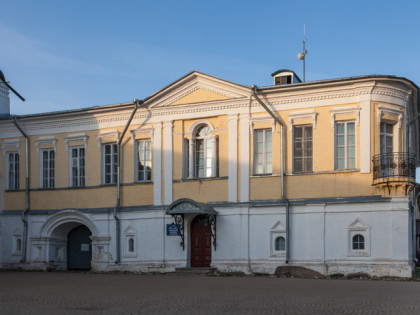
x=320 y=236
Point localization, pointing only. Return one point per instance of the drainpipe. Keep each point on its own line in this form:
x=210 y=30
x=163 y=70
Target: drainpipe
x=24 y=212
x=117 y=206
x=283 y=197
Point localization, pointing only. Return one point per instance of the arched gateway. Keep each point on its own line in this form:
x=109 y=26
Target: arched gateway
x=202 y=230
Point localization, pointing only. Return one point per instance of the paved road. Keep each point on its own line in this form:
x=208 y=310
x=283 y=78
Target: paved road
x=78 y=293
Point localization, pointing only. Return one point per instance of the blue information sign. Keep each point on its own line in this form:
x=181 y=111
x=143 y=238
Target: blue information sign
x=171 y=230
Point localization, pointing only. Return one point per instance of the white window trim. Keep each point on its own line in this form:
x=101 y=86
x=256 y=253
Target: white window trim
x=105 y=137
x=41 y=167
x=16 y=236
x=358 y=227
x=388 y=109
x=10 y=145
x=302 y=115
x=46 y=143
x=142 y=131
x=103 y=163
x=264 y=152
x=278 y=229
x=345 y=145
x=70 y=164
x=128 y=233
x=261 y=119
x=7 y=169
x=347 y=110
x=136 y=160
x=77 y=137
x=191 y=142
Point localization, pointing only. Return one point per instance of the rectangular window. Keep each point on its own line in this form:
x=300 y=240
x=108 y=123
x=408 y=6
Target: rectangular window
x=13 y=171
x=345 y=145
x=77 y=167
x=302 y=149
x=387 y=136
x=144 y=166
x=47 y=168
x=263 y=151
x=110 y=163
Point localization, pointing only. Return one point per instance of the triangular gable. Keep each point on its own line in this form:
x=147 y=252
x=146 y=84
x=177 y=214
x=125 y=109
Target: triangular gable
x=197 y=87
x=199 y=96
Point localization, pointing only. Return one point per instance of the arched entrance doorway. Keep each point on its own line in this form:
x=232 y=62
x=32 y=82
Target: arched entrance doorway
x=79 y=248
x=201 y=242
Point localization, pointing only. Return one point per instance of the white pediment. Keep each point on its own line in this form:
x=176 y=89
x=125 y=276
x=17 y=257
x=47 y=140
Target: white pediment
x=278 y=227
x=129 y=230
x=358 y=224
x=194 y=83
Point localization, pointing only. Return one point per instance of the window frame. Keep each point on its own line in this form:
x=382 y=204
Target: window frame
x=13 y=170
x=47 y=182
x=80 y=165
x=386 y=135
x=266 y=165
x=303 y=157
x=137 y=161
x=346 y=145
x=113 y=162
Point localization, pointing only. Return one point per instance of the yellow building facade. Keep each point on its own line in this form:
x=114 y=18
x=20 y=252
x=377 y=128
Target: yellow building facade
x=209 y=173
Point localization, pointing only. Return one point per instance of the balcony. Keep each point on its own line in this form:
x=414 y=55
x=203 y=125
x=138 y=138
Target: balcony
x=394 y=169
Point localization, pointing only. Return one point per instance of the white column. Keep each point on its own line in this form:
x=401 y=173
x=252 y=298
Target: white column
x=157 y=164
x=191 y=158
x=233 y=159
x=213 y=155
x=365 y=135
x=244 y=157
x=167 y=161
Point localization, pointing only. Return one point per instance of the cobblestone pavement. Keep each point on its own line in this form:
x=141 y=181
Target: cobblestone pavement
x=78 y=293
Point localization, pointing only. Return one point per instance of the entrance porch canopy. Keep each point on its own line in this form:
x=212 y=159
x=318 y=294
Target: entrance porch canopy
x=189 y=206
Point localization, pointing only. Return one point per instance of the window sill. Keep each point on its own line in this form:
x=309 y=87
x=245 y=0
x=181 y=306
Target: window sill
x=278 y=254
x=198 y=179
x=358 y=254
x=353 y=170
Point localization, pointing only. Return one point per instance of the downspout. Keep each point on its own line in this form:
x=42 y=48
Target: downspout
x=117 y=206
x=24 y=212
x=283 y=197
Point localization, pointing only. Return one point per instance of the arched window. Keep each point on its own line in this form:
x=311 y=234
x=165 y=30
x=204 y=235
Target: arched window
x=280 y=243
x=201 y=152
x=358 y=242
x=131 y=244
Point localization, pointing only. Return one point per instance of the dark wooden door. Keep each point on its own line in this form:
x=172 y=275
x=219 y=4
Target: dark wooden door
x=79 y=248
x=200 y=242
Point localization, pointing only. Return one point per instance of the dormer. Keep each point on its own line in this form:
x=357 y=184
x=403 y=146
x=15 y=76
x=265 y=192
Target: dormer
x=284 y=77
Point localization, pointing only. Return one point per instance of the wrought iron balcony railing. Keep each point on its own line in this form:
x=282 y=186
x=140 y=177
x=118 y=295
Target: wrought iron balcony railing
x=394 y=165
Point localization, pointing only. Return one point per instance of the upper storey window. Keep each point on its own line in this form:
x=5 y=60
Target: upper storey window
x=201 y=152
x=263 y=151
x=387 y=138
x=77 y=167
x=302 y=149
x=345 y=145
x=47 y=168
x=144 y=165
x=110 y=163
x=13 y=171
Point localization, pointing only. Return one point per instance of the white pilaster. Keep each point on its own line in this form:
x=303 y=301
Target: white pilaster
x=365 y=135
x=167 y=161
x=244 y=157
x=213 y=155
x=233 y=159
x=157 y=164
x=191 y=158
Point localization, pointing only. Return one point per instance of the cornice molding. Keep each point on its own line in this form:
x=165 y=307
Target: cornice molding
x=345 y=110
x=141 y=131
x=109 y=134
x=389 y=109
x=10 y=145
x=48 y=141
x=304 y=114
x=261 y=119
x=76 y=137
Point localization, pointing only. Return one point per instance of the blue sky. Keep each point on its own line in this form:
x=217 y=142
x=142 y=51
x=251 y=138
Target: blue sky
x=64 y=55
